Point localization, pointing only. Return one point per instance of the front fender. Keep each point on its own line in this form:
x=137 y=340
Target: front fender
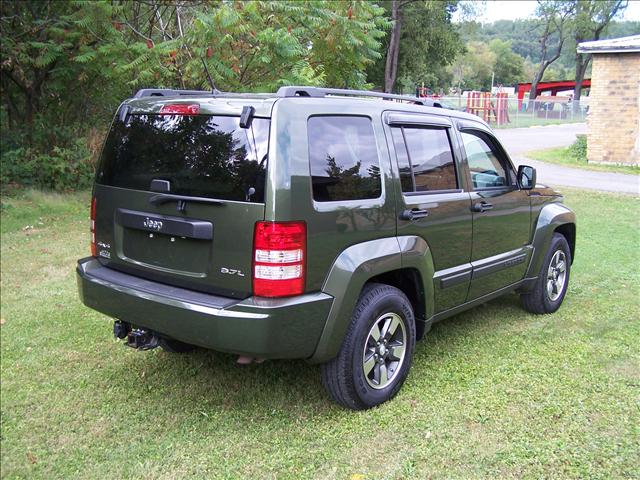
x=353 y=268
x=551 y=217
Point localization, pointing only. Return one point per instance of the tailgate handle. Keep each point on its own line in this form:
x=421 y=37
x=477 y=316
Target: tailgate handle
x=174 y=226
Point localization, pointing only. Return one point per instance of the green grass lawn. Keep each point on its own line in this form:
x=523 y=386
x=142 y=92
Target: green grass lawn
x=562 y=156
x=493 y=393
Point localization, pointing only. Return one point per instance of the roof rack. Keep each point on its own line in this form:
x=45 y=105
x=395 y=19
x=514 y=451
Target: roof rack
x=285 y=92
x=168 y=92
x=319 y=92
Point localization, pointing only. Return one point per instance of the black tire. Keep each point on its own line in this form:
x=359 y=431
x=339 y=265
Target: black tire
x=540 y=299
x=344 y=377
x=175 y=346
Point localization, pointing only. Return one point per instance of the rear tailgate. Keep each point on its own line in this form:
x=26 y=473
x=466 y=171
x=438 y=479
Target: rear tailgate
x=177 y=197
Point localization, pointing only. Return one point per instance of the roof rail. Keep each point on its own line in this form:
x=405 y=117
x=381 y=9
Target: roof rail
x=320 y=92
x=168 y=92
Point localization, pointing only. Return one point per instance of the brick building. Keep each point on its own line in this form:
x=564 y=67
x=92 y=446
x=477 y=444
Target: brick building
x=613 y=123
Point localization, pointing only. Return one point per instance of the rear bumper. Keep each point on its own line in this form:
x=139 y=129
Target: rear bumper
x=261 y=327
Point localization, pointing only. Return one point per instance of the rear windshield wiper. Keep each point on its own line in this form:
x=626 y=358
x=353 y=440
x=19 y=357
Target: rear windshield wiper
x=162 y=198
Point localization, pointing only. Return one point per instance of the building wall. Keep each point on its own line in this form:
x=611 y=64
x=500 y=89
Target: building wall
x=614 y=109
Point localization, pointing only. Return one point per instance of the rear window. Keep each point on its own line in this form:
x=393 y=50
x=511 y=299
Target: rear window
x=200 y=155
x=344 y=158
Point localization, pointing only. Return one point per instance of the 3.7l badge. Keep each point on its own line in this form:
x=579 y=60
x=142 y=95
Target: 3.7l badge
x=231 y=271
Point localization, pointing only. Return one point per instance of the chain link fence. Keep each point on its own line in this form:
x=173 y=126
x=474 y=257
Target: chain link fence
x=509 y=112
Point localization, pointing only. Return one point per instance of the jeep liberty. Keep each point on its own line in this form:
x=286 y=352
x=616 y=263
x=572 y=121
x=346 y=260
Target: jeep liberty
x=329 y=225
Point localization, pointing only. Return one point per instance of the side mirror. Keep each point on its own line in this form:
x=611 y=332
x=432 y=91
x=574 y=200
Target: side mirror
x=526 y=177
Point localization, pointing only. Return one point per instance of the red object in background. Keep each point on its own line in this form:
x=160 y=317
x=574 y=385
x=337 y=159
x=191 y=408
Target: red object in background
x=209 y=52
x=553 y=87
x=149 y=43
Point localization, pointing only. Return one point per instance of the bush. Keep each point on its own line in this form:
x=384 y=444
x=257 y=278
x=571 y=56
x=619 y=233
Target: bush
x=60 y=169
x=578 y=149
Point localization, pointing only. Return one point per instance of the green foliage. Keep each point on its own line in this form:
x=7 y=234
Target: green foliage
x=64 y=63
x=509 y=66
x=578 y=150
x=519 y=33
x=523 y=38
x=429 y=41
x=556 y=72
x=472 y=70
x=61 y=169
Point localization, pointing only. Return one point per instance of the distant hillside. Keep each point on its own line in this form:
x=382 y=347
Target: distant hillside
x=521 y=34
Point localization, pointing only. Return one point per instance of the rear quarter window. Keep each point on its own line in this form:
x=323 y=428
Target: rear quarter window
x=200 y=155
x=343 y=158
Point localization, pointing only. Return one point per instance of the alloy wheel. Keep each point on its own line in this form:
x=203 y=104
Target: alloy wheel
x=384 y=350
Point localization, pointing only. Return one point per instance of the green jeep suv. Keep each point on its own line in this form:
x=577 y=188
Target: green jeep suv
x=320 y=224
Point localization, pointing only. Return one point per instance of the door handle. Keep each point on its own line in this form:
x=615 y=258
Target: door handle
x=413 y=214
x=481 y=207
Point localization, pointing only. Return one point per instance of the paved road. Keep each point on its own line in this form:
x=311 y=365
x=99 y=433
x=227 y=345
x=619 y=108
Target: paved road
x=518 y=141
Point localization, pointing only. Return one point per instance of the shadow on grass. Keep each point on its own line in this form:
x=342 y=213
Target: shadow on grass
x=206 y=383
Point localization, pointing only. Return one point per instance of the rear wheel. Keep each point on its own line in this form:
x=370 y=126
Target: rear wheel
x=175 y=346
x=553 y=279
x=376 y=353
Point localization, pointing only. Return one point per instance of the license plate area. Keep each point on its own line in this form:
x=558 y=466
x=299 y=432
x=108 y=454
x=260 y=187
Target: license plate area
x=170 y=253
x=166 y=243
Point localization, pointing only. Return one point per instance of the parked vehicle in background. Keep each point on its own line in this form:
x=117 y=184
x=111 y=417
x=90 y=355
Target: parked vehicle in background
x=317 y=224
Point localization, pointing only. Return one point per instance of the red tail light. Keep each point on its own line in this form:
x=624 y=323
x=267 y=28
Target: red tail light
x=94 y=249
x=180 y=109
x=279 y=255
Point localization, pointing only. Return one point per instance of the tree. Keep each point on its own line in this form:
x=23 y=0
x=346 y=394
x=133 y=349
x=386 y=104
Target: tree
x=554 y=17
x=509 y=66
x=393 y=50
x=63 y=53
x=64 y=62
x=422 y=40
x=591 y=19
x=472 y=70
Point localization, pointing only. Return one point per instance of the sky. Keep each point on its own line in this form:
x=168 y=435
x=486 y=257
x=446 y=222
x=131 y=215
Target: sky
x=510 y=10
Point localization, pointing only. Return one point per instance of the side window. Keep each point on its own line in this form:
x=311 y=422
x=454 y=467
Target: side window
x=343 y=156
x=485 y=167
x=406 y=178
x=425 y=160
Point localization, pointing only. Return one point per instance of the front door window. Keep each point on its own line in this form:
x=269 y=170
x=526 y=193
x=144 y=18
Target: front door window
x=485 y=167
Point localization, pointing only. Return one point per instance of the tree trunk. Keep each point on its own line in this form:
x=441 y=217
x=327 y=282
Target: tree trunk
x=531 y=106
x=391 y=64
x=582 y=62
